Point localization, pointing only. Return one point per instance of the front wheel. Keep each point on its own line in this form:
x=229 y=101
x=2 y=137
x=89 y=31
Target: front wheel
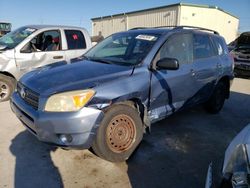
x=120 y=132
x=217 y=99
x=7 y=86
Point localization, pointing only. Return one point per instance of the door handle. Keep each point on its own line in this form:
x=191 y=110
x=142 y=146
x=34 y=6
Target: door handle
x=192 y=72
x=58 y=57
x=219 y=65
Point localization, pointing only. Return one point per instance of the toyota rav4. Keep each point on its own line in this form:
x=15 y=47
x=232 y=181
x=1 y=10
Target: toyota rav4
x=109 y=97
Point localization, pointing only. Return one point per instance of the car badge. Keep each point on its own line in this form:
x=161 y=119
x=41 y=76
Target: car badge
x=23 y=93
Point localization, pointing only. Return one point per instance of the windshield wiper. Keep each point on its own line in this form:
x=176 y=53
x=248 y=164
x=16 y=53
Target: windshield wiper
x=99 y=60
x=84 y=57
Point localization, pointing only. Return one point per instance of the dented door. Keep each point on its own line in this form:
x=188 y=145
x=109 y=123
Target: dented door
x=170 y=89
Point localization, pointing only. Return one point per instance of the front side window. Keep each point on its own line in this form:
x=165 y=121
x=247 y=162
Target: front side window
x=203 y=47
x=12 y=39
x=178 y=47
x=123 y=48
x=75 y=39
x=45 y=41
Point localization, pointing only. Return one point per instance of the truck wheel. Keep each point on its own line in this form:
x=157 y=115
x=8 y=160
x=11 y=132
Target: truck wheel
x=217 y=99
x=120 y=132
x=7 y=86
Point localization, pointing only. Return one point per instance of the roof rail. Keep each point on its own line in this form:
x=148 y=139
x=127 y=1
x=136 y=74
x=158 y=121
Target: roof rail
x=178 y=27
x=153 y=27
x=135 y=28
x=198 y=28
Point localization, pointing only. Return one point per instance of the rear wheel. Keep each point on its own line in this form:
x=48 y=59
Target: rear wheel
x=119 y=134
x=7 y=86
x=217 y=99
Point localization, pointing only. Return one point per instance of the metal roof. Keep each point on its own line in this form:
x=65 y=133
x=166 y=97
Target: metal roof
x=166 y=6
x=4 y=22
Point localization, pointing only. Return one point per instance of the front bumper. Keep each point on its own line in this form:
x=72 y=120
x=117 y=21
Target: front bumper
x=49 y=127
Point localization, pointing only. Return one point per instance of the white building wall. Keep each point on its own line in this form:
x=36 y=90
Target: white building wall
x=199 y=16
x=154 y=18
x=210 y=18
x=109 y=25
x=119 y=24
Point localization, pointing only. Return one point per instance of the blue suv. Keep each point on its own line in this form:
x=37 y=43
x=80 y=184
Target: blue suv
x=107 y=99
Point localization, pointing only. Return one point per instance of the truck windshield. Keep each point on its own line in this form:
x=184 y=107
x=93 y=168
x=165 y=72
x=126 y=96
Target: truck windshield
x=123 y=48
x=5 y=26
x=12 y=39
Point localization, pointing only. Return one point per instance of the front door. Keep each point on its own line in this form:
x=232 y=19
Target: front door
x=43 y=49
x=172 y=88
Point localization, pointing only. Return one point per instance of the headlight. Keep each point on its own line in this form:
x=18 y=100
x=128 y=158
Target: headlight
x=69 y=101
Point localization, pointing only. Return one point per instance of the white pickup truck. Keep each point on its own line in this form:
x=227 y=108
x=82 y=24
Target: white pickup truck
x=33 y=46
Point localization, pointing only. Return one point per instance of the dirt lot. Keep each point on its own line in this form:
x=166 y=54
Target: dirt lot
x=175 y=154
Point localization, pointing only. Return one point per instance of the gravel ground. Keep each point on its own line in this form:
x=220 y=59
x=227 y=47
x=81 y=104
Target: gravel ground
x=176 y=153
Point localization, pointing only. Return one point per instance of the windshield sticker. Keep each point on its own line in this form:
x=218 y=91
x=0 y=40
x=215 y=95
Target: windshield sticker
x=31 y=30
x=146 y=37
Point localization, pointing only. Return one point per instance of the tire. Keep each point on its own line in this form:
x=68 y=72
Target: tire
x=119 y=133
x=217 y=99
x=7 y=87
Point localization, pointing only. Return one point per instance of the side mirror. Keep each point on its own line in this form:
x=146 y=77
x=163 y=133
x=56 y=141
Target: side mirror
x=168 y=64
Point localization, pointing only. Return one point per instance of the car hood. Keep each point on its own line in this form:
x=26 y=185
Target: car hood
x=62 y=76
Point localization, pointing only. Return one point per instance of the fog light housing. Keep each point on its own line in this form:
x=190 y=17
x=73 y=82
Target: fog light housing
x=65 y=138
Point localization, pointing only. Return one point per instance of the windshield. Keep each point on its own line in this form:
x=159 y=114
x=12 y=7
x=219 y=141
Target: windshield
x=123 y=48
x=12 y=39
x=5 y=26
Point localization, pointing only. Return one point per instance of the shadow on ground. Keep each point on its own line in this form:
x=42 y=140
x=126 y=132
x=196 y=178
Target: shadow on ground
x=34 y=167
x=180 y=148
x=176 y=154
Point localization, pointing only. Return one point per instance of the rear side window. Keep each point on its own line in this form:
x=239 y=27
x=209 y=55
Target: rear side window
x=203 y=47
x=220 y=46
x=75 y=39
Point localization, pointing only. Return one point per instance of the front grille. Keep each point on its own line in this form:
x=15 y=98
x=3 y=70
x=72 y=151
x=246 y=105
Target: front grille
x=29 y=96
x=246 y=67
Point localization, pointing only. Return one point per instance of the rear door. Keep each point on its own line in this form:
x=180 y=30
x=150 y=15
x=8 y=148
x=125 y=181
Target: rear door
x=170 y=89
x=226 y=60
x=206 y=67
x=76 y=43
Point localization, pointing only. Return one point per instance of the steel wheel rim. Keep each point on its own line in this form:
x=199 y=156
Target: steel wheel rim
x=121 y=133
x=4 y=90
